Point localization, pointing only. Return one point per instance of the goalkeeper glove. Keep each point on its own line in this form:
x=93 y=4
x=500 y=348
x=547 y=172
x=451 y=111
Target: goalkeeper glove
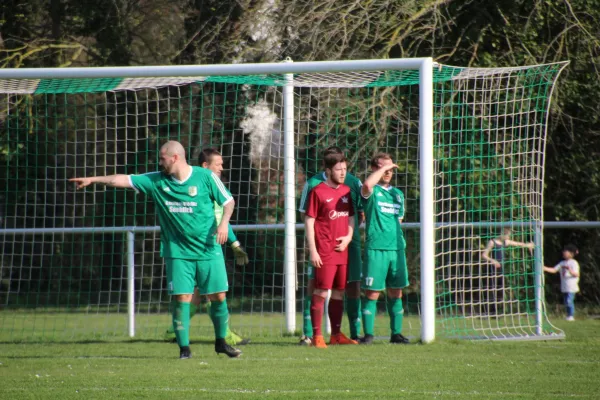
x=241 y=257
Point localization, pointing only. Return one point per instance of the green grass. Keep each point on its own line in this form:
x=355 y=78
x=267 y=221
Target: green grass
x=274 y=367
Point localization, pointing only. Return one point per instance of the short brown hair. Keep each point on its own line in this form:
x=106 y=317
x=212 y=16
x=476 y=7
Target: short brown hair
x=207 y=154
x=333 y=158
x=332 y=150
x=379 y=156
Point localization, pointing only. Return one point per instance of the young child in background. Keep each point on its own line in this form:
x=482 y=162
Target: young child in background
x=569 y=278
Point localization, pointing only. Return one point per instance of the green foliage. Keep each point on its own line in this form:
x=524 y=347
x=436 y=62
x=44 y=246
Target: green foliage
x=475 y=33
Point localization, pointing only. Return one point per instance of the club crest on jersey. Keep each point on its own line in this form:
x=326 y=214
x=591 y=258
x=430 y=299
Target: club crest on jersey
x=345 y=200
x=166 y=189
x=399 y=198
x=193 y=191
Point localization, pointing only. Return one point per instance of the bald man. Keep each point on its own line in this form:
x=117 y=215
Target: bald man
x=190 y=238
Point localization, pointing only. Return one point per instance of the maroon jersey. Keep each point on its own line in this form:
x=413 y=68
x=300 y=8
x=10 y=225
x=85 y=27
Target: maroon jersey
x=331 y=208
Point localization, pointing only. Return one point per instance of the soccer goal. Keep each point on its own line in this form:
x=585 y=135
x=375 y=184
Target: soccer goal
x=469 y=143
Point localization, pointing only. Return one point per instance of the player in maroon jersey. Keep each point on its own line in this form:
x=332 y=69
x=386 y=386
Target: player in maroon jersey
x=329 y=228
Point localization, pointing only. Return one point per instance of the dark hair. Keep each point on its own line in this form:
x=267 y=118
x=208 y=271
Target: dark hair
x=333 y=158
x=375 y=160
x=207 y=154
x=332 y=150
x=571 y=248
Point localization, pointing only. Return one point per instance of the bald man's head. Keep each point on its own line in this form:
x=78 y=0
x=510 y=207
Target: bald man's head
x=173 y=147
x=172 y=157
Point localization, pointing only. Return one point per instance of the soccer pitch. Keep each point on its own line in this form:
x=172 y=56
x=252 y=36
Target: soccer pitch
x=275 y=367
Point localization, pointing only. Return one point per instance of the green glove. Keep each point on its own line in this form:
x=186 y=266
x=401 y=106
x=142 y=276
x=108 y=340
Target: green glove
x=241 y=257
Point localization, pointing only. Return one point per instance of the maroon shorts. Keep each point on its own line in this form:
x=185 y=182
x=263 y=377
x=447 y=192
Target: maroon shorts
x=331 y=276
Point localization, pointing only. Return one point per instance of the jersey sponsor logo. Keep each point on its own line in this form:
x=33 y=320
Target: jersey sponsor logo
x=193 y=191
x=328 y=200
x=185 y=207
x=345 y=200
x=389 y=208
x=337 y=214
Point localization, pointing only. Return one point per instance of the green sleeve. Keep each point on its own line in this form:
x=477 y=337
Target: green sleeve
x=217 y=191
x=231 y=238
x=358 y=199
x=144 y=183
x=401 y=210
x=305 y=192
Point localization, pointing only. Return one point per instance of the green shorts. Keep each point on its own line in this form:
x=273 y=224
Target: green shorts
x=385 y=269
x=355 y=265
x=209 y=275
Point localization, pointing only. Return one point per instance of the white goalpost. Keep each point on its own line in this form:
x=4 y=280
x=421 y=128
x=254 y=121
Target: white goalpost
x=470 y=143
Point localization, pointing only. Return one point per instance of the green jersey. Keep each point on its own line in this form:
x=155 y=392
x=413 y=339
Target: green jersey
x=383 y=209
x=186 y=212
x=231 y=238
x=355 y=187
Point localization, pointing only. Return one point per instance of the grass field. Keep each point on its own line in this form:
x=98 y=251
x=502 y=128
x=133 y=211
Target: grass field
x=274 y=367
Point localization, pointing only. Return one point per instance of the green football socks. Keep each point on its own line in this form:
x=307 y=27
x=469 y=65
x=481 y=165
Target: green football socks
x=353 y=311
x=396 y=313
x=219 y=314
x=369 y=312
x=307 y=327
x=181 y=323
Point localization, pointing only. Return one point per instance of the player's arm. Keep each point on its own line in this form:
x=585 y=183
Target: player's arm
x=118 y=181
x=315 y=258
x=373 y=179
x=358 y=206
x=304 y=198
x=309 y=220
x=223 y=228
x=486 y=254
x=219 y=193
x=401 y=210
x=514 y=243
x=344 y=241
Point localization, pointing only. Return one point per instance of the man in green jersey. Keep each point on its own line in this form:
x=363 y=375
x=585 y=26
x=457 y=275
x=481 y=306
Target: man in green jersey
x=184 y=197
x=354 y=255
x=211 y=159
x=385 y=261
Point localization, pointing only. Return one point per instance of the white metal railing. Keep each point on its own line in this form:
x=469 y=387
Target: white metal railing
x=131 y=231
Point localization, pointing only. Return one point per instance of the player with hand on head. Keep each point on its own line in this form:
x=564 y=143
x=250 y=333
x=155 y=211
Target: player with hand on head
x=212 y=159
x=329 y=229
x=354 y=270
x=385 y=262
x=184 y=198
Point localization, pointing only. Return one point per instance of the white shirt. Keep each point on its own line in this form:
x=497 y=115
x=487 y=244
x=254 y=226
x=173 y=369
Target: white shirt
x=568 y=282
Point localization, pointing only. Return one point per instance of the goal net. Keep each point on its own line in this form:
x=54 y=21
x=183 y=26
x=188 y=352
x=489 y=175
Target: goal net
x=74 y=262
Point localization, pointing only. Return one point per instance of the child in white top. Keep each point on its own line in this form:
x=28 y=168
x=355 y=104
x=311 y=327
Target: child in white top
x=569 y=278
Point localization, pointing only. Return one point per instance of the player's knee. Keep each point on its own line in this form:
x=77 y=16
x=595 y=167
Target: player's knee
x=320 y=292
x=220 y=297
x=183 y=298
x=337 y=294
x=372 y=294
